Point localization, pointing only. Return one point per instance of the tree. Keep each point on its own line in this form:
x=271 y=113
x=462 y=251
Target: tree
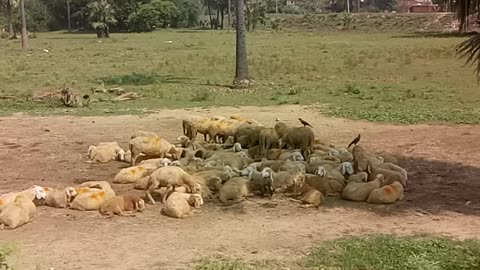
x=470 y=50
x=256 y=13
x=9 y=5
x=242 y=79
x=24 y=26
x=101 y=17
x=145 y=19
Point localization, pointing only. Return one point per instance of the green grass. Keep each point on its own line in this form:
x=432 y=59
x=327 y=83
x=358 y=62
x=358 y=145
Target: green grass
x=376 y=252
x=379 y=77
x=391 y=253
x=4 y=252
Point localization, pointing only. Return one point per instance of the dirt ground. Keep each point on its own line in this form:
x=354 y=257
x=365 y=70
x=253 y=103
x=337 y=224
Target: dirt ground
x=443 y=197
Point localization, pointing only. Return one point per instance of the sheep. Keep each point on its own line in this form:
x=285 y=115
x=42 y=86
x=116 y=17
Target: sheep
x=89 y=199
x=263 y=184
x=58 y=198
x=142 y=133
x=231 y=159
x=309 y=196
x=297 y=137
x=359 y=192
x=35 y=192
x=169 y=177
x=178 y=205
x=17 y=213
x=125 y=205
x=358 y=177
x=394 y=167
x=282 y=181
x=390 y=175
x=360 y=159
x=268 y=138
x=211 y=176
x=248 y=135
x=152 y=146
x=293 y=166
x=105 y=152
x=327 y=186
x=133 y=174
x=142 y=183
x=196 y=124
x=294 y=156
x=387 y=194
x=234 y=191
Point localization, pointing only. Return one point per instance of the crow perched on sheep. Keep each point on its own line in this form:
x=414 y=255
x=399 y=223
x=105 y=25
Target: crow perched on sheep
x=304 y=123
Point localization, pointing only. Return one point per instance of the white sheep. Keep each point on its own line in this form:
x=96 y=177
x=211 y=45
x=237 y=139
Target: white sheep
x=178 y=205
x=91 y=195
x=171 y=176
x=17 y=213
x=105 y=152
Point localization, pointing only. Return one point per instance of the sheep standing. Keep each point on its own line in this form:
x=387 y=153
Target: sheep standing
x=171 y=176
x=152 y=147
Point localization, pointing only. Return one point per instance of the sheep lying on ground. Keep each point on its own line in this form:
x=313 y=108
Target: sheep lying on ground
x=17 y=213
x=125 y=205
x=91 y=195
x=178 y=204
x=387 y=194
x=309 y=196
x=105 y=152
x=133 y=174
x=58 y=198
x=35 y=192
x=359 y=192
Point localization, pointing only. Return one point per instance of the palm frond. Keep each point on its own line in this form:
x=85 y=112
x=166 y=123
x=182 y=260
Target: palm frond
x=470 y=49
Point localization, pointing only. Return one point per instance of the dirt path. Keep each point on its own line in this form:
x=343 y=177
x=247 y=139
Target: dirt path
x=442 y=198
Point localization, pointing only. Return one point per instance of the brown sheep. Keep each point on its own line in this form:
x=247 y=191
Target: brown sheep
x=387 y=194
x=178 y=205
x=359 y=192
x=268 y=138
x=125 y=205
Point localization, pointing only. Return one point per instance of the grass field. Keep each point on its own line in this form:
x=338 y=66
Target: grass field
x=379 y=252
x=379 y=77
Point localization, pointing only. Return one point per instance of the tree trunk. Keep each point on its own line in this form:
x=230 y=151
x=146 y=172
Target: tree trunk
x=24 y=26
x=222 y=16
x=10 y=18
x=241 y=68
x=229 y=15
x=68 y=16
x=107 y=31
x=210 y=14
x=217 y=20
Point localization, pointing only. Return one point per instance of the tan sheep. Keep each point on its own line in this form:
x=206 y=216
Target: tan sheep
x=178 y=205
x=133 y=174
x=89 y=199
x=234 y=191
x=142 y=183
x=387 y=194
x=309 y=196
x=33 y=193
x=142 y=133
x=171 y=176
x=152 y=147
x=17 y=213
x=282 y=181
x=105 y=152
x=358 y=177
x=327 y=186
x=59 y=198
x=390 y=175
x=125 y=205
x=359 y=192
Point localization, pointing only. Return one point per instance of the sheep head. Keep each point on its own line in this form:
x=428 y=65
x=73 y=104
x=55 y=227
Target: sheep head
x=297 y=156
x=321 y=171
x=140 y=205
x=121 y=155
x=237 y=147
x=267 y=172
x=39 y=192
x=196 y=200
x=380 y=178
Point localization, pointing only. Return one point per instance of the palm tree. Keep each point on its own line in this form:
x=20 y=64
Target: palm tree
x=241 y=66
x=24 y=26
x=470 y=50
x=101 y=17
x=8 y=5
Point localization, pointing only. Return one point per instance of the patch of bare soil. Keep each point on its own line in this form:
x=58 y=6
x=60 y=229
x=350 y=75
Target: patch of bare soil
x=442 y=198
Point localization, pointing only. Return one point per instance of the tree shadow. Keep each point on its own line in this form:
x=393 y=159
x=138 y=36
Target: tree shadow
x=434 y=187
x=435 y=35
x=143 y=79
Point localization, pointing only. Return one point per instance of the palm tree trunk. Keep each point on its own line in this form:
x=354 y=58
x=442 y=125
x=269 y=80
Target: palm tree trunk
x=68 y=16
x=24 y=26
x=241 y=68
x=210 y=13
x=229 y=15
x=10 y=18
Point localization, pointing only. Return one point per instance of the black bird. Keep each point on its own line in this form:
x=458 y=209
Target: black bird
x=355 y=141
x=304 y=123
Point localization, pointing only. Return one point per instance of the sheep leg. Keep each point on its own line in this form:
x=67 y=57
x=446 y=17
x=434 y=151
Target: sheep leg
x=149 y=196
x=127 y=213
x=2 y=226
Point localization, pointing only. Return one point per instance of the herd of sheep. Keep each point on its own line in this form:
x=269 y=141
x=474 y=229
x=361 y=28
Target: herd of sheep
x=237 y=158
